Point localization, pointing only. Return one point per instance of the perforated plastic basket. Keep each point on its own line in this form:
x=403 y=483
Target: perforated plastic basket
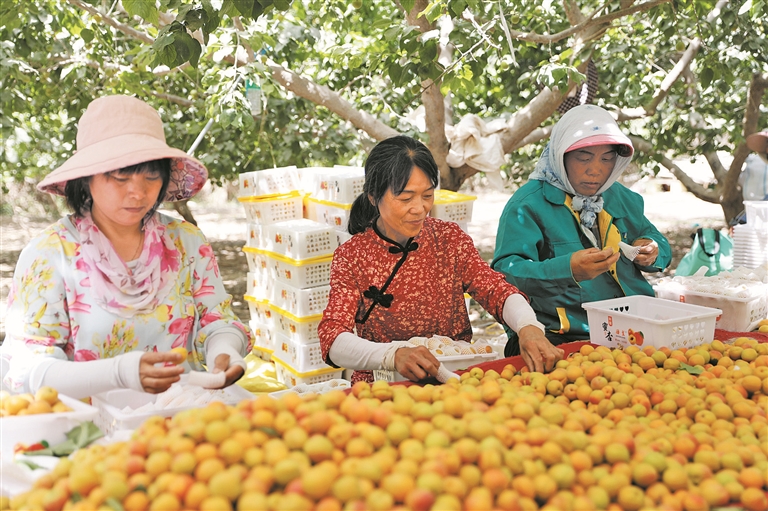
x=259 y=285
x=260 y=311
x=300 y=330
x=300 y=302
x=257 y=259
x=263 y=336
x=302 y=274
x=302 y=357
x=339 y=184
x=453 y=207
x=254 y=237
x=269 y=182
x=739 y=314
x=342 y=236
x=301 y=239
x=644 y=320
x=290 y=377
x=268 y=210
x=334 y=214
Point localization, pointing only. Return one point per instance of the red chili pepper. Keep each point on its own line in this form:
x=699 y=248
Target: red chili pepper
x=22 y=448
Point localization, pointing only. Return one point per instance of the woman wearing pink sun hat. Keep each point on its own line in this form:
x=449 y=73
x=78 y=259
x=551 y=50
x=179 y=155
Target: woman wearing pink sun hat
x=566 y=236
x=101 y=297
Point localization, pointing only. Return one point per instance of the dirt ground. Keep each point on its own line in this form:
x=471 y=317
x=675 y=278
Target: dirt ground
x=675 y=213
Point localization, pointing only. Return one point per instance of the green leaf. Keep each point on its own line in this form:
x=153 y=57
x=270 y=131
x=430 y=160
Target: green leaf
x=31 y=465
x=115 y=504
x=142 y=8
x=396 y=74
x=706 y=77
x=691 y=369
x=408 y=5
x=428 y=52
x=87 y=35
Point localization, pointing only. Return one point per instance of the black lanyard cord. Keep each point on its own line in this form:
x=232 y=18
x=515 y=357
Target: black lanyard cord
x=379 y=296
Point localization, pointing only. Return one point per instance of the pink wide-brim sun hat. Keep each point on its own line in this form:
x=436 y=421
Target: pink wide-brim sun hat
x=758 y=142
x=119 y=131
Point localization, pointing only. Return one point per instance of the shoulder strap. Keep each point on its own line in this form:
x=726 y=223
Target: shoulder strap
x=700 y=235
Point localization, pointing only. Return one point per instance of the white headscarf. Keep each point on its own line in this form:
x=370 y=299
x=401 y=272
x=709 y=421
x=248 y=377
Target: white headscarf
x=578 y=124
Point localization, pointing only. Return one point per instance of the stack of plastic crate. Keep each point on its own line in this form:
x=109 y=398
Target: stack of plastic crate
x=268 y=196
x=453 y=207
x=332 y=190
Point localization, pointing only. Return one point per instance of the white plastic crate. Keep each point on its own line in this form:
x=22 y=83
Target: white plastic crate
x=261 y=312
x=454 y=363
x=269 y=182
x=301 y=330
x=301 y=239
x=51 y=427
x=263 y=340
x=254 y=237
x=290 y=377
x=342 y=236
x=334 y=214
x=644 y=320
x=301 y=357
x=300 y=302
x=112 y=417
x=453 y=207
x=302 y=274
x=257 y=260
x=273 y=209
x=739 y=314
x=339 y=185
x=259 y=285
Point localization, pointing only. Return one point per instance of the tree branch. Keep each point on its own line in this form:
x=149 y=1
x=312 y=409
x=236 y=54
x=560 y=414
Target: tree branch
x=173 y=99
x=322 y=95
x=112 y=22
x=692 y=186
x=588 y=21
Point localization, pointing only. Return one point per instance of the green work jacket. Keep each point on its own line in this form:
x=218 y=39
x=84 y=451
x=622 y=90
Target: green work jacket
x=539 y=231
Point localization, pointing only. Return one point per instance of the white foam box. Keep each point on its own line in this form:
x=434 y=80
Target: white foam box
x=302 y=357
x=51 y=427
x=648 y=321
x=739 y=314
x=301 y=239
x=334 y=214
x=300 y=302
x=337 y=184
x=304 y=273
x=110 y=406
x=453 y=207
x=452 y=363
x=269 y=182
x=268 y=210
x=290 y=377
x=300 y=330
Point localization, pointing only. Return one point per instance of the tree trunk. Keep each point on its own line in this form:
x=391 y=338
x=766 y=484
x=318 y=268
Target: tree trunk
x=182 y=209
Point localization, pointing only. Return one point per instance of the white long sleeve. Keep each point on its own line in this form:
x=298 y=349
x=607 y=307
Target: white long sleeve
x=353 y=352
x=230 y=341
x=84 y=379
x=518 y=313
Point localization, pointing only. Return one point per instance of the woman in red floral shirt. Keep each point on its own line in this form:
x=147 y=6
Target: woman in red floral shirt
x=404 y=274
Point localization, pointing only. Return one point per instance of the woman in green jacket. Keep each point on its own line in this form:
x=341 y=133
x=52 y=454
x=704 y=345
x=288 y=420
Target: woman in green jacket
x=559 y=235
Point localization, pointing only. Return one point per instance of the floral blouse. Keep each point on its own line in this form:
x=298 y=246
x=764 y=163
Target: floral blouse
x=52 y=311
x=427 y=290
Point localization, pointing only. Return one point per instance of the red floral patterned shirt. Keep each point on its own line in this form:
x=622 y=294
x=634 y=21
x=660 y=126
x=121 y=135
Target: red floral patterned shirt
x=428 y=290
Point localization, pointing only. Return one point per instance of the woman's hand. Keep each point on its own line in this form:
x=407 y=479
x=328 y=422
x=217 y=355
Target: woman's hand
x=154 y=376
x=416 y=363
x=234 y=373
x=648 y=254
x=589 y=263
x=537 y=352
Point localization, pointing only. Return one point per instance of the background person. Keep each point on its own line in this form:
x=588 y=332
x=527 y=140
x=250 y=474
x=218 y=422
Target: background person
x=558 y=237
x=101 y=297
x=404 y=274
